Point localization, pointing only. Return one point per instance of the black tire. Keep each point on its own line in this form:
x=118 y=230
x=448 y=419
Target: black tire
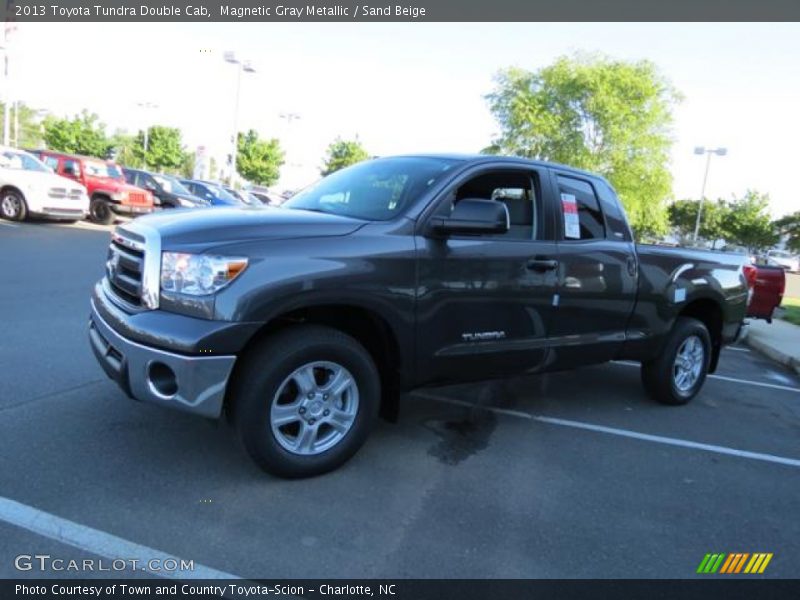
x=660 y=376
x=13 y=206
x=100 y=212
x=267 y=369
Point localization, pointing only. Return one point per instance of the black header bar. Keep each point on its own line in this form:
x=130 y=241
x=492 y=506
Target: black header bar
x=400 y=10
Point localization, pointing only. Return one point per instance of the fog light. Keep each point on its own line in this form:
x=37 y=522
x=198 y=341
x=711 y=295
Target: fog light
x=162 y=380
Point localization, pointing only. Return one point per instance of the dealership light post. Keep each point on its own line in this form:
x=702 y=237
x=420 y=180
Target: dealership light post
x=146 y=106
x=708 y=152
x=246 y=67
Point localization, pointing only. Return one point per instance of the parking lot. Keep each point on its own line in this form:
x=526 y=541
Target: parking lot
x=574 y=474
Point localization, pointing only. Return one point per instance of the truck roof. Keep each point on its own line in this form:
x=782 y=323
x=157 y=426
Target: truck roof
x=70 y=155
x=511 y=160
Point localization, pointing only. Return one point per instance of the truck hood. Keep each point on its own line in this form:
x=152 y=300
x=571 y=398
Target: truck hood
x=222 y=225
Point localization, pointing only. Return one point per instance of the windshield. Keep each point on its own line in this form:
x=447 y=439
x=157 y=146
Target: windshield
x=22 y=161
x=172 y=185
x=98 y=169
x=780 y=254
x=224 y=195
x=374 y=190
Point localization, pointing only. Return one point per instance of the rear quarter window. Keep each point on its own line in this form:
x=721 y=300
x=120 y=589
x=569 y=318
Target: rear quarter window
x=591 y=225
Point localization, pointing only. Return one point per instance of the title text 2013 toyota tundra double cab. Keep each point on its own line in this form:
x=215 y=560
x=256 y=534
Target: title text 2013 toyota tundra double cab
x=303 y=323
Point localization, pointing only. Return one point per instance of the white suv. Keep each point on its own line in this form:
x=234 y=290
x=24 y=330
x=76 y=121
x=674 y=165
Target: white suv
x=29 y=187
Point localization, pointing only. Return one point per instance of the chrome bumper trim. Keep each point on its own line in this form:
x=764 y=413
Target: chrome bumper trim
x=201 y=380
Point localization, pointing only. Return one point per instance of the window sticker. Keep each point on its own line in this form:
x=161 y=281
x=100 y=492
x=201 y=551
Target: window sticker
x=572 y=228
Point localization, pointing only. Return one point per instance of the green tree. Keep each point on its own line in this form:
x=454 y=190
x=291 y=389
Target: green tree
x=258 y=160
x=83 y=134
x=125 y=149
x=683 y=217
x=164 y=148
x=747 y=222
x=30 y=134
x=343 y=153
x=187 y=166
x=790 y=227
x=607 y=116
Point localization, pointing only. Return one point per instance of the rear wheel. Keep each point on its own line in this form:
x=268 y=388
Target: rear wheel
x=677 y=375
x=13 y=206
x=100 y=211
x=305 y=400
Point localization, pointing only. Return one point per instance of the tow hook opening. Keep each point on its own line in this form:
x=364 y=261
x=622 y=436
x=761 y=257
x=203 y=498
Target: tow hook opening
x=162 y=380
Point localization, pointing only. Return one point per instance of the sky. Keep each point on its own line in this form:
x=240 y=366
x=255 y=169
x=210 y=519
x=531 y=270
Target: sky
x=417 y=87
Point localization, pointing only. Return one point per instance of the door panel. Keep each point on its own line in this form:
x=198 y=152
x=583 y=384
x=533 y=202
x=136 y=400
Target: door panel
x=597 y=283
x=484 y=305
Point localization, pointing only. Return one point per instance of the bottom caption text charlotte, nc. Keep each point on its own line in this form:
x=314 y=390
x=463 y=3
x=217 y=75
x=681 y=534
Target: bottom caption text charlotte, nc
x=196 y=590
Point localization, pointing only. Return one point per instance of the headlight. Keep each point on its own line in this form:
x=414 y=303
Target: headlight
x=186 y=202
x=119 y=196
x=198 y=274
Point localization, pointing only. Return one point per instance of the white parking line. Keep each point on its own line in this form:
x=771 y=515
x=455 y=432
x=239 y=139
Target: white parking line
x=96 y=541
x=774 y=386
x=9 y=224
x=658 y=439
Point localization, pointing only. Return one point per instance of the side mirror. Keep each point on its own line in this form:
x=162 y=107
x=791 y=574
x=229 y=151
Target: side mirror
x=475 y=216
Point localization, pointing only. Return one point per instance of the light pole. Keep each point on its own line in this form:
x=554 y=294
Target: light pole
x=708 y=152
x=241 y=66
x=290 y=117
x=146 y=106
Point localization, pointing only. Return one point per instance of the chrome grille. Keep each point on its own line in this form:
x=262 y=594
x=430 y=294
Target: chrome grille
x=125 y=268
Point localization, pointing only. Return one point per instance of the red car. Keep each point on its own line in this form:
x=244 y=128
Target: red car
x=767 y=285
x=109 y=194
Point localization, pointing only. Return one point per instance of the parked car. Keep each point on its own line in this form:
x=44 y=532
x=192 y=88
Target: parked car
x=214 y=194
x=303 y=322
x=767 y=286
x=108 y=196
x=28 y=187
x=167 y=190
x=783 y=259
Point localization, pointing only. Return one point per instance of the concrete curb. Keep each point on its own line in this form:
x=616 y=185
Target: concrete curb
x=772 y=352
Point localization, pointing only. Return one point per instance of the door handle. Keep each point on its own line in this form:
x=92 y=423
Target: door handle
x=542 y=264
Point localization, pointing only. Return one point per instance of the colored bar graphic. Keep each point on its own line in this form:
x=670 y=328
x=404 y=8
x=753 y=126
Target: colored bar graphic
x=703 y=563
x=765 y=563
x=735 y=562
x=730 y=560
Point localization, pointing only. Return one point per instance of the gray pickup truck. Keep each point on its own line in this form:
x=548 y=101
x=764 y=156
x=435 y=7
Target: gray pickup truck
x=304 y=323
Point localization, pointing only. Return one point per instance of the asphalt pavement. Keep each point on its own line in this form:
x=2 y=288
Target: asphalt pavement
x=575 y=474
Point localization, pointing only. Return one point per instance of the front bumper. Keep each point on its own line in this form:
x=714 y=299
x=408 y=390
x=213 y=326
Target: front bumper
x=193 y=384
x=131 y=210
x=76 y=214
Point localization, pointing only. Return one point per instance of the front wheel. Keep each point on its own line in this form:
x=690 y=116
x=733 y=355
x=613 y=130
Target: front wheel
x=678 y=373
x=100 y=212
x=12 y=206
x=305 y=400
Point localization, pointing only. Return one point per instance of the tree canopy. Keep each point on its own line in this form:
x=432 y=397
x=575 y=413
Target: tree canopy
x=343 y=153
x=683 y=218
x=164 y=148
x=790 y=227
x=82 y=134
x=608 y=116
x=747 y=222
x=258 y=160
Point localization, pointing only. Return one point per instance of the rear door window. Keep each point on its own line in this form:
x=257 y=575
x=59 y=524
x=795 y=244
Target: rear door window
x=583 y=219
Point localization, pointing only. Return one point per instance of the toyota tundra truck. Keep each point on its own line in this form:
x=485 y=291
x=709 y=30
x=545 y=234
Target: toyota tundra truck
x=304 y=323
